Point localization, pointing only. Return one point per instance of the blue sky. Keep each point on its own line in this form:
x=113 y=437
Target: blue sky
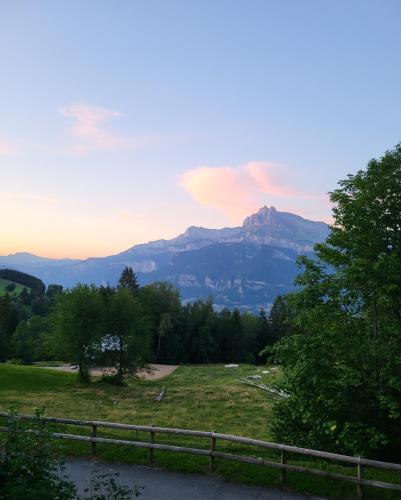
x=122 y=122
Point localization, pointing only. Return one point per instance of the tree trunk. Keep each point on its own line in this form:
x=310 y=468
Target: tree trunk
x=120 y=368
x=83 y=369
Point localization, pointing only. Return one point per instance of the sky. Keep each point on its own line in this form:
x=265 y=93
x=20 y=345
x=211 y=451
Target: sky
x=124 y=122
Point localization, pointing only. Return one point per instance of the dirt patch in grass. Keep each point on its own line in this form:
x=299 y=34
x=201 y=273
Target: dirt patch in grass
x=157 y=372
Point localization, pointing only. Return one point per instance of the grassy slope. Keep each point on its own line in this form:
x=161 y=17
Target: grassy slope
x=4 y=283
x=198 y=397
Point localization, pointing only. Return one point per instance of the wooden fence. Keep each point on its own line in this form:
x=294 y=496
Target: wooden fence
x=212 y=453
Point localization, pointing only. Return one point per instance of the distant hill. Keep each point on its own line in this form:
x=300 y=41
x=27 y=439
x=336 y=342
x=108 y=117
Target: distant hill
x=15 y=289
x=21 y=280
x=245 y=266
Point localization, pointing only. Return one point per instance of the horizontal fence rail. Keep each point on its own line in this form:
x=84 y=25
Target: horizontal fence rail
x=212 y=453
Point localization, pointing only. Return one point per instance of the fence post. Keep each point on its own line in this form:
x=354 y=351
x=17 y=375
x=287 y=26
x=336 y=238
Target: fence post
x=150 y=450
x=94 y=434
x=212 y=449
x=359 y=487
x=283 y=472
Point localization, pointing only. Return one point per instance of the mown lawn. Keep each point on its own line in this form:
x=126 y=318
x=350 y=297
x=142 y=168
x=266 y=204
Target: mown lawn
x=198 y=397
x=203 y=397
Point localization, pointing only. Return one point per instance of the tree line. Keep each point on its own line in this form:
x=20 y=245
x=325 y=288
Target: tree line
x=127 y=327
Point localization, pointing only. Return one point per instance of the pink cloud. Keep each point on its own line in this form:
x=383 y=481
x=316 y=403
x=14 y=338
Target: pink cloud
x=89 y=128
x=238 y=191
x=226 y=188
x=91 y=132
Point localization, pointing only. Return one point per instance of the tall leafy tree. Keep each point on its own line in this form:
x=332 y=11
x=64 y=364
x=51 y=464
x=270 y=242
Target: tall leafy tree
x=78 y=323
x=31 y=340
x=342 y=367
x=127 y=339
x=235 y=342
x=8 y=315
x=198 y=328
x=162 y=306
x=280 y=317
x=264 y=337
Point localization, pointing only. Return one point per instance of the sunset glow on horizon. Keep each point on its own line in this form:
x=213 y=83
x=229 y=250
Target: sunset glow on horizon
x=121 y=126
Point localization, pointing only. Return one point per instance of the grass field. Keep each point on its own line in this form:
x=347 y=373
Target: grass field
x=203 y=397
x=4 y=283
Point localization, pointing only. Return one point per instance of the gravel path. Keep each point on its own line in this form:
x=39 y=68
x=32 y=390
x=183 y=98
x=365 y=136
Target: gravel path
x=166 y=485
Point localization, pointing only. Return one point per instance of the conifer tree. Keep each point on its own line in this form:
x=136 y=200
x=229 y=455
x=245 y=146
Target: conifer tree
x=128 y=280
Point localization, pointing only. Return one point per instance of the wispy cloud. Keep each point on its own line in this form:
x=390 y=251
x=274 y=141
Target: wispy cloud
x=88 y=127
x=91 y=132
x=237 y=191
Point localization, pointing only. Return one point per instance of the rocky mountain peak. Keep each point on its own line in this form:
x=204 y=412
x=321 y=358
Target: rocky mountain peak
x=283 y=229
x=265 y=216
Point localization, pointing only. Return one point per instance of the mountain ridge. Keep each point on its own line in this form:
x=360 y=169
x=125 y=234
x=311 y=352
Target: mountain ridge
x=268 y=242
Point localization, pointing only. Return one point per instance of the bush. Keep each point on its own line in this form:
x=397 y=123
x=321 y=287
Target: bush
x=29 y=467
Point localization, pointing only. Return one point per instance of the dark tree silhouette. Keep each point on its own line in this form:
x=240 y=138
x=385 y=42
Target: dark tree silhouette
x=128 y=280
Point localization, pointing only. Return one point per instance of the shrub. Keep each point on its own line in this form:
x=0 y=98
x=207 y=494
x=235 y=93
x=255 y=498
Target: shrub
x=29 y=467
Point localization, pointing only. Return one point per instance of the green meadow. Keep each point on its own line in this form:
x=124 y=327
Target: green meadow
x=4 y=283
x=200 y=397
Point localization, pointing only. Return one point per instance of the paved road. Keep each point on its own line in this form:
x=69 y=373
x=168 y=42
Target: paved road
x=166 y=485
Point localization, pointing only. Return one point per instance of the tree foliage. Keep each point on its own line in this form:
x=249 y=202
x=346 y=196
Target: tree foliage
x=342 y=363
x=32 y=340
x=128 y=280
x=126 y=342
x=78 y=322
x=29 y=467
x=126 y=327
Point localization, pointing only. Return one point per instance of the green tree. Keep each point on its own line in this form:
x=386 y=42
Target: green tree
x=198 y=330
x=127 y=339
x=163 y=330
x=162 y=306
x=78 y=324
x=342 y=367
x=8 y=324
x=10 y=287
x=41 y=306
x=31 y=340
x=3 y=345
x=23 y=296
x=264 y=337
x=250 y=332
x=280 y=317
x=235 y=345
x=128 y=280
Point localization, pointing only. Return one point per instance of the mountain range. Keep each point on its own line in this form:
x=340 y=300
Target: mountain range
x=244 y=267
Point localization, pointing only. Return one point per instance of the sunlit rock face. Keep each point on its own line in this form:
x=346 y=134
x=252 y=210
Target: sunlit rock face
x=283 y=229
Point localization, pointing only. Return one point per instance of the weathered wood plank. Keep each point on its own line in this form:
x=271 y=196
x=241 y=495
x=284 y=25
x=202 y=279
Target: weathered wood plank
x=316 y=472
x=310 y=453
